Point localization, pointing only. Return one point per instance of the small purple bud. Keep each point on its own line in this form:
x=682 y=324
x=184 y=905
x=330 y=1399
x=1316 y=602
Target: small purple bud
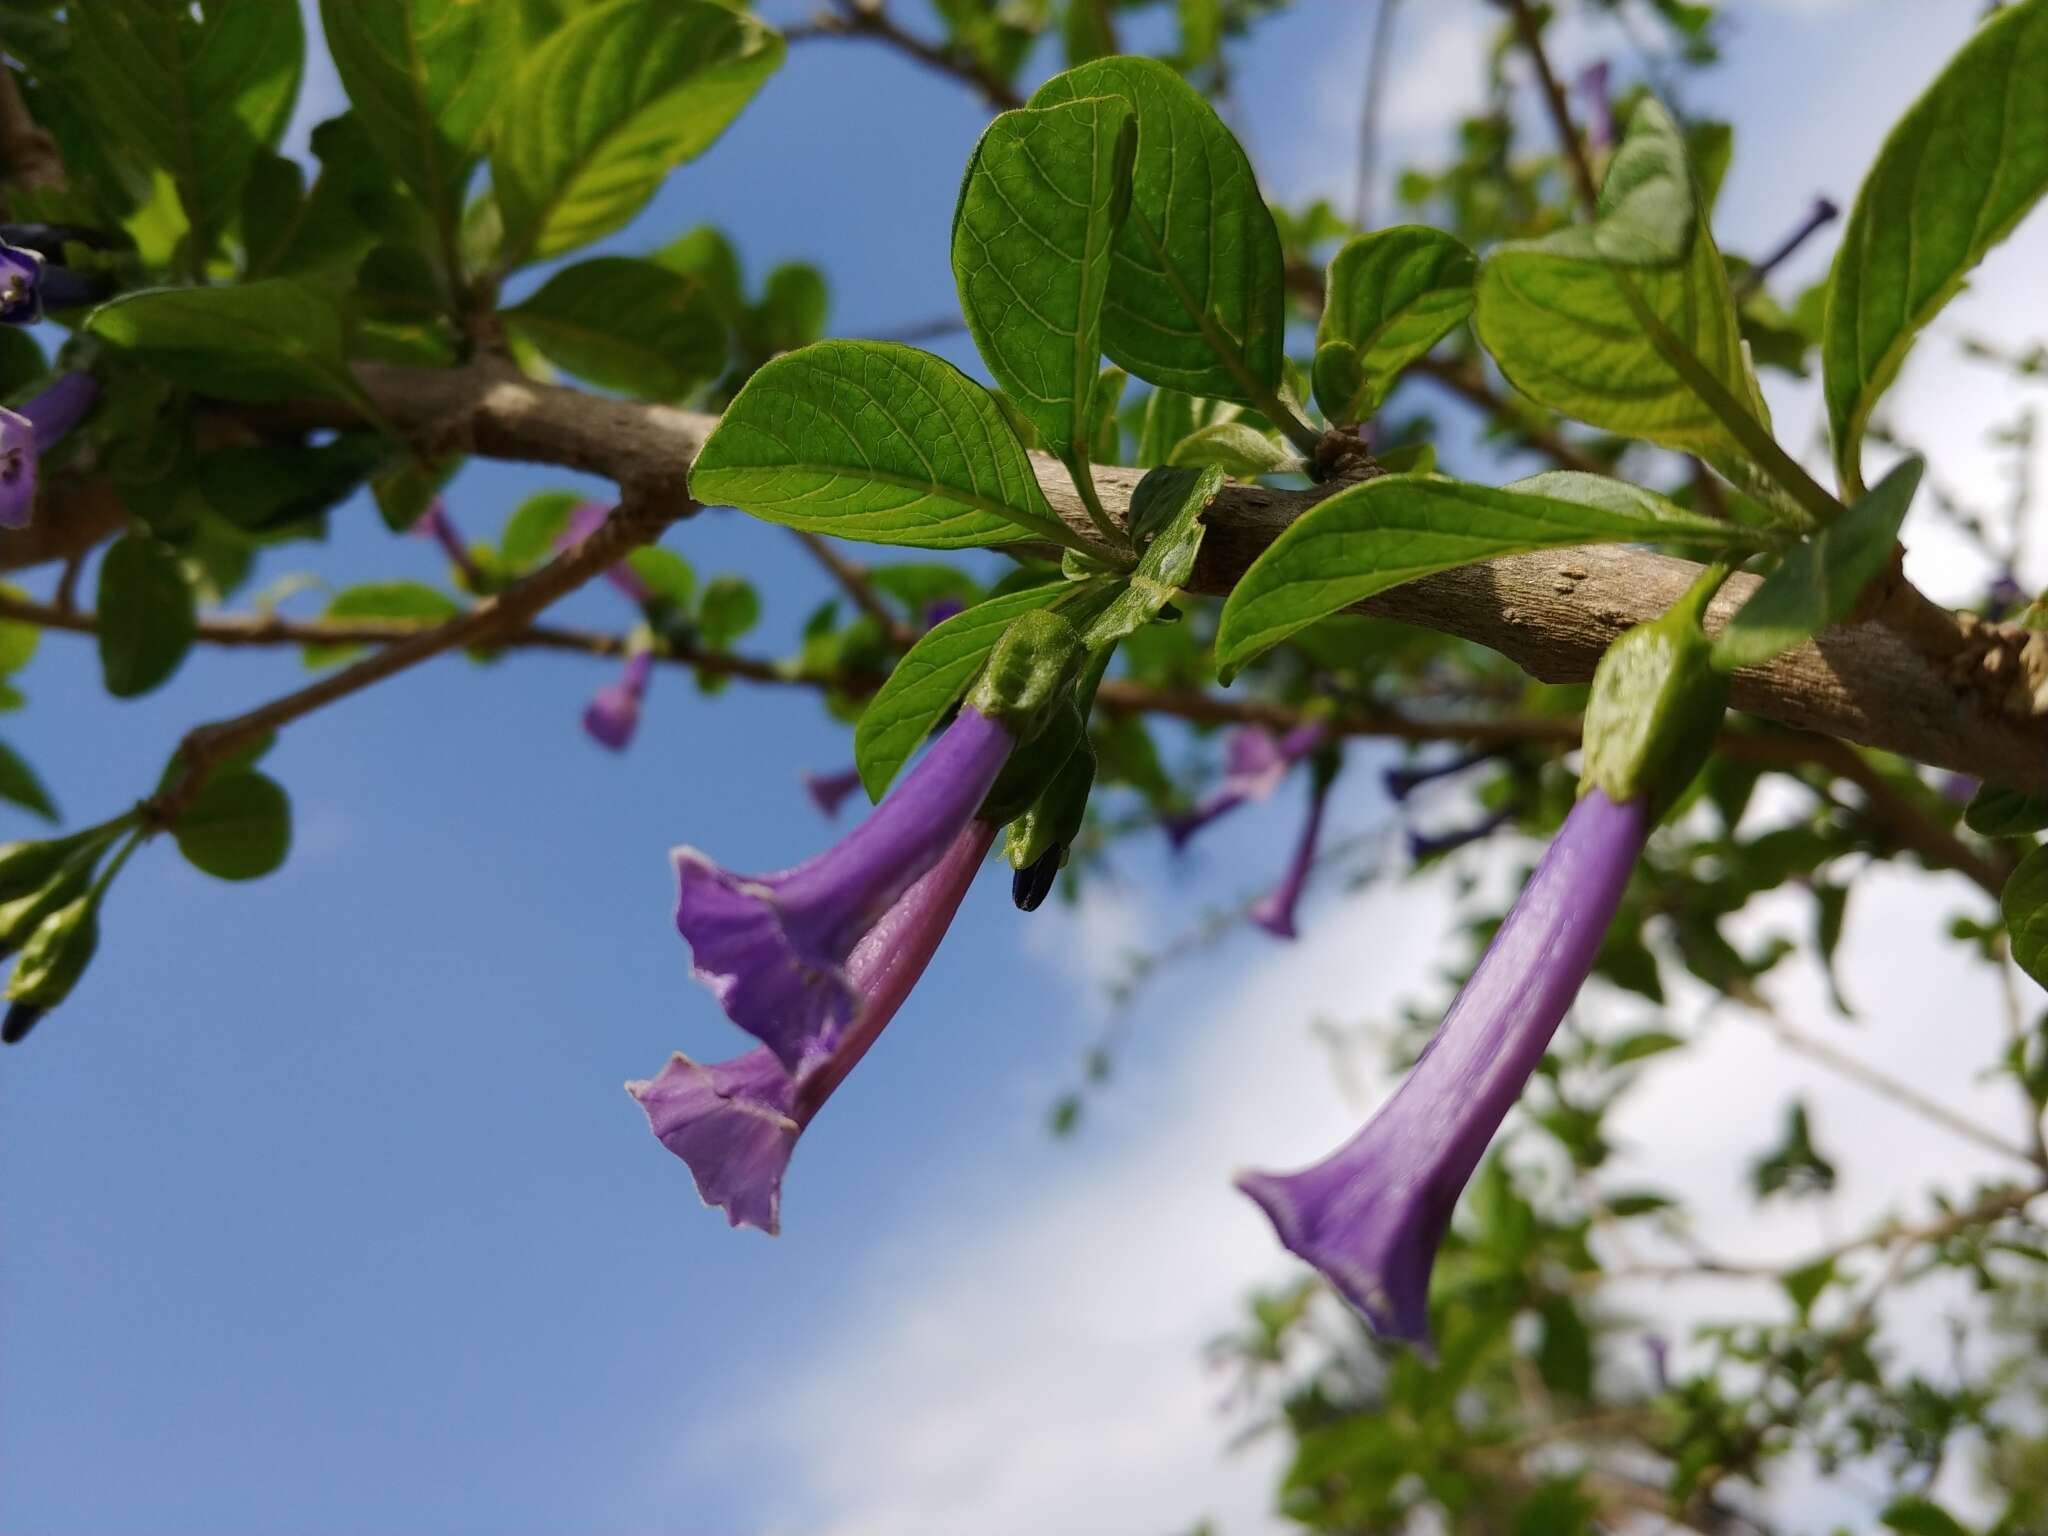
x=21 y=285
x=828 y=791
x=1372 y=1214
x=945 y=608
x=773 y=949
x=21 y=1018
x=1030 y=885
x=2005 y=593
x=736 y=1123
x=1959 y=788
x=25 y=435
x=585 y=518
x=613 y=714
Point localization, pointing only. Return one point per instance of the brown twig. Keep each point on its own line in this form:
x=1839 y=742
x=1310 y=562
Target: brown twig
x=1529 y=32
x=867 y=18
x=853 y=581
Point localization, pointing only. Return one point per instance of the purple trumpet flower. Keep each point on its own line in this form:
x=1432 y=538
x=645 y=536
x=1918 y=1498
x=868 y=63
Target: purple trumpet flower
x=21 y=285
x=774 y=949
x=1593 y=80
x=27 y=434
x=1254 y=763
x=735 y=1123
x=1371 y=1215
x=436 y=524
x=614 y=712
x=1275 y=912
x=829 y=790
x=585 y=518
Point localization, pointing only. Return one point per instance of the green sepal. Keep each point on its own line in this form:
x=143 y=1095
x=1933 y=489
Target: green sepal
x=28 y=866
x=1034 y=766
x=1028 y=673
x=1655 y=706
x=1054 y=819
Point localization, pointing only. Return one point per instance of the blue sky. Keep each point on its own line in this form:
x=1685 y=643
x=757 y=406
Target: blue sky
x=324 y=1209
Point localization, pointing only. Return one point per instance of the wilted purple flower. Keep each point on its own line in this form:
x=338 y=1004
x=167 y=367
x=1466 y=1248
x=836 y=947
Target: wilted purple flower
x=829 y=790
x=1599 y=107
x=1275 y=913
x=1254 y=763
x=614 y=713
x=585 y=518
x=27 y=434
x=21 y=285
x=436 y=524
x=774 y=948
x=735 y=1123
x=1370 y=1216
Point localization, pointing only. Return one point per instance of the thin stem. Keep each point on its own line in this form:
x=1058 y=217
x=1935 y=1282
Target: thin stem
x=1091 y=501
x=1529 y=32
x=853 y=581
x=1823 y=213
x=1379 y=48
x=859 y=18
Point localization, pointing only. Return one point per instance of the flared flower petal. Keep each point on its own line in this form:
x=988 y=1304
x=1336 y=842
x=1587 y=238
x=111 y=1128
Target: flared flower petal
x=1372 y=1214
x=737 y=1122
x=828 y=791
x=21 y=285
x=730 y=1123
x=773 y=948
x=613 y=714
x=17 y=470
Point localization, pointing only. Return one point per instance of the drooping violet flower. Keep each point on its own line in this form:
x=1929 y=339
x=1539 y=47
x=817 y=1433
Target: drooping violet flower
x=585 y=518
x=828 y=791
x=735 y=1123
x=27 y=434
x=1371 y=1215
x=1275 y=912
x=1404 y=781
x=774 y=948
x=1422 y=846
x=21 y=285
x=1254 y=763
x=1593 y=83
x=436 y=524
x=613 y=713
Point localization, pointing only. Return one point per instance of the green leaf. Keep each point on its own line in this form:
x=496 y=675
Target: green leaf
x=1958 y=172
x=931 y=676
x=424 y=77
x=272 y=340
x=1819 y=581
x=1195 y=290
x=531 y=531
x=1641 y=1045
x=1043 y=197
x=1172 y=501
x=1398 y=527
x=1995 y=812
x=411 y=600
x=630 y=325
x=238 y=828
x=1804 y=1285
x=730 y=608
x=1392 y=295
x=609 y=105
x=1916 y=1516
x=1556 y=313
x=1235 y=447
x=2025 y=905
x=195 y=89
x=146 y=613
x=870 y=440
x=19 y=784
x=669 y=577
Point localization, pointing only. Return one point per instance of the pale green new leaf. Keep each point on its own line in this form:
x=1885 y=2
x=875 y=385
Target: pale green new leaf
x=424 y=77
x=1962 y=167
x=1039 y=206
x=1818 y=582
x=194 y=89
x=630 y=325
x=1556 y=313
x=1398 y=527
x=871 y=440
x=1391 y=296
x=1167 y=506
x=608 y=106
x=272 y=340
x=932 y=674
x=1195 y=291
x=1236 y=447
